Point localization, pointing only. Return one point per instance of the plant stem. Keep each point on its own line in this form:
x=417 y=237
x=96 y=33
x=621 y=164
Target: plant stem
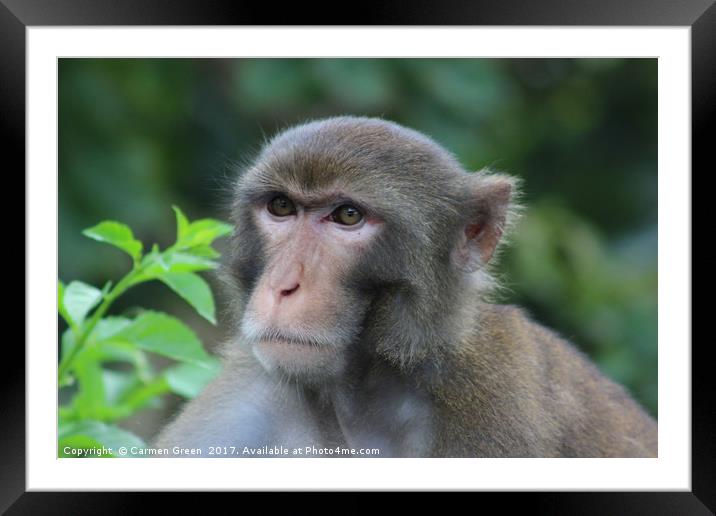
x=122 y=286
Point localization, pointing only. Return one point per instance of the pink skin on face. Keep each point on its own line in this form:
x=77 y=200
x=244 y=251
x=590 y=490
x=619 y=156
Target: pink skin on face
x=288 y=318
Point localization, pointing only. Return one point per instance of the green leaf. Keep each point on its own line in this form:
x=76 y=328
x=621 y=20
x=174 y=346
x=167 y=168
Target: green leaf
x=188 y=262
x=150 y=266
x=89 y=400
x=105 y=348
x=68 y=342
x=118 y=235
x=65 y=414
x=67 y=345
x=204 y=251
x=117 y=384
x=140 y=396
x=108 y=326
x=203 y=232
x=162 y=334
x=124 y=351
x=155 y=265
x=78 y=299
x=94 y=435
x=182 y=223
x=61 y=303
x=101 y=347
x=194 y=290
x=188 y=380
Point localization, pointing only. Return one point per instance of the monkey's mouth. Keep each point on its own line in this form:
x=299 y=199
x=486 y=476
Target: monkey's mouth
x=293 y=354
x=290 y=340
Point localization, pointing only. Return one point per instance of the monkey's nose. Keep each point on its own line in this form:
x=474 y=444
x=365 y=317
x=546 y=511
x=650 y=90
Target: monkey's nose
x=287 y=292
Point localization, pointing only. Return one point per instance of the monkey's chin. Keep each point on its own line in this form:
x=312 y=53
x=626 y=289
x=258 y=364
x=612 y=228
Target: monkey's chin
x=300 y=360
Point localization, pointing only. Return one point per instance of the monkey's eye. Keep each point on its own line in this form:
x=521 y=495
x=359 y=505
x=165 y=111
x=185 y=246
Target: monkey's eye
x=346 y=215
x=281 y=206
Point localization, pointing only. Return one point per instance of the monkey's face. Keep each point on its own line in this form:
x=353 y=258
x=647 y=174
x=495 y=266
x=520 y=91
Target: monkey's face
x=354 y=234
x=301 y=315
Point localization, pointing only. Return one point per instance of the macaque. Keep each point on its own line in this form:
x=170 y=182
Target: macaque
x=359 y=276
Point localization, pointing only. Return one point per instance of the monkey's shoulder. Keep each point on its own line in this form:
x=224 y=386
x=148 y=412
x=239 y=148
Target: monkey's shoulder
x=516 y=388
x=508 y=347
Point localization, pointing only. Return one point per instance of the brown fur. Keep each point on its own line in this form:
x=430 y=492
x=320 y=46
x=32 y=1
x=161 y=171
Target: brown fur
x=516 y=389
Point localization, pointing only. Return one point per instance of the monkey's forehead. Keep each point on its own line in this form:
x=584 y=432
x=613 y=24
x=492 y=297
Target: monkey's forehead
x=361 y=153
x=342 y=127
x=360 y=139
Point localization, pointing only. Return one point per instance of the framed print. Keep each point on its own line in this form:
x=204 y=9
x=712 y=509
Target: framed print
x=196 y=183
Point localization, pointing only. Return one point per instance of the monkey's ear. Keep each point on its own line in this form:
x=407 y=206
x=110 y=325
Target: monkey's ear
x=489 y=205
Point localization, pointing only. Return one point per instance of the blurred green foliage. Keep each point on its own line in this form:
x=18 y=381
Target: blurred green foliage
x=137 y=135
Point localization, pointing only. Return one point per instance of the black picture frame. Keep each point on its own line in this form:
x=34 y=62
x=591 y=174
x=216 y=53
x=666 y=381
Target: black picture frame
x=17 y=15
